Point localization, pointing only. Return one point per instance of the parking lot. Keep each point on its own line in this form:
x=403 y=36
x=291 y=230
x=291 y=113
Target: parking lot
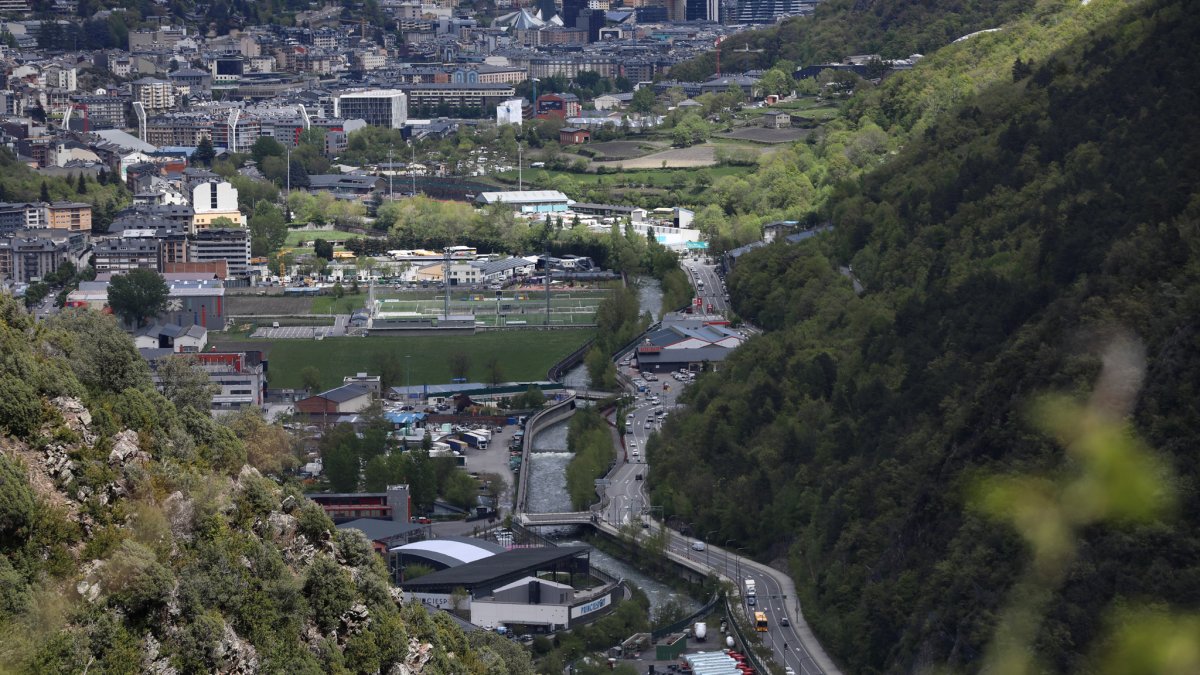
x=338 y=329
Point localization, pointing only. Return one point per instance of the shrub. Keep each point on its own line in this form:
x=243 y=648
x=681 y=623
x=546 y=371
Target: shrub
x=20 y=408
x=330 y=592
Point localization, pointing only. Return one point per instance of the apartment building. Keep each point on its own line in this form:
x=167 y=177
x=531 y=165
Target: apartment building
x=73 y=216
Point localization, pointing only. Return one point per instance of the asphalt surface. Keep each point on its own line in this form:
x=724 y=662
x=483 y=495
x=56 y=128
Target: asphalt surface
x=493 y=460
x=714 y=289
x=794 y=645
x=626 y=499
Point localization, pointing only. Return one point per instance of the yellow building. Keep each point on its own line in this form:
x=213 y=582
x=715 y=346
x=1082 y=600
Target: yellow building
x=74 y=216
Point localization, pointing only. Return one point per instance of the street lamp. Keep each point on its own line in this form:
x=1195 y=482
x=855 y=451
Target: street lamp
x=727 y=549
x=707 y=538
x=738 y=563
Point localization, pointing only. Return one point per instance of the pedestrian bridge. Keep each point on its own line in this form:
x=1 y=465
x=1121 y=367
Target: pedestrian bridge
x=574 y=518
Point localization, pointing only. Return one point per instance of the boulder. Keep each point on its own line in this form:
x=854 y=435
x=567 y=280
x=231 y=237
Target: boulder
x=125 y=449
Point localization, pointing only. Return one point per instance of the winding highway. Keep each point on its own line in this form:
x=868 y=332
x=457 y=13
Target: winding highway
x=788 y=635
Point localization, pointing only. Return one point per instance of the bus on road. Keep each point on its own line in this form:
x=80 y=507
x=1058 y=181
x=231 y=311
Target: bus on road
x=760 y=622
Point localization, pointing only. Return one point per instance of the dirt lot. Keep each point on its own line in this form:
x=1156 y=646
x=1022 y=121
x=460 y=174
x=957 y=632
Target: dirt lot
x=765 y=135
x=675 y=158
x=259 y=305
x=611 y=150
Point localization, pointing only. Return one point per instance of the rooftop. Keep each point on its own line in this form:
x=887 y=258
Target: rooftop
x=379 y=530
x=495 y=567
x=344 y=393
x=522 y=197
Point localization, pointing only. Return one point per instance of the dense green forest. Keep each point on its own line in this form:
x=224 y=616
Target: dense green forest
x=893 y=29
x=136 y=537
x=1042 y=203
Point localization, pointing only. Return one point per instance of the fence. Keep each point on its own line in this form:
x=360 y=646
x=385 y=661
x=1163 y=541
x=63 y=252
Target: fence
x=748 y=647
x=687 y=621
x=556 y=372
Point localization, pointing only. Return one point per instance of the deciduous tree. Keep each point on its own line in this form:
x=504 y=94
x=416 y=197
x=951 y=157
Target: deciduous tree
x=138 y=295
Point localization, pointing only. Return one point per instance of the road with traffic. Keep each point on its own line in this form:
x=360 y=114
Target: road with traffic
x=788 y=635
x=627 y=500
x=710 y=287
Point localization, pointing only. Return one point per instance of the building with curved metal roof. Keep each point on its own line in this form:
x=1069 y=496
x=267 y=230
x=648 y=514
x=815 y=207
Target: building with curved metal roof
x=446 y=552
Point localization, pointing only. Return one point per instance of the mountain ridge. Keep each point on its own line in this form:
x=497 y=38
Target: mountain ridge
x=1015 y=231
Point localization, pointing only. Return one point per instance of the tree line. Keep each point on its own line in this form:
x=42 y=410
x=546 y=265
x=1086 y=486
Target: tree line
x=1014 y=234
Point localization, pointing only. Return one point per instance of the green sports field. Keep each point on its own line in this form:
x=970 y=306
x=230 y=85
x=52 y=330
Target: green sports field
x=511 y=307
x=294 y=237
x=523 y=355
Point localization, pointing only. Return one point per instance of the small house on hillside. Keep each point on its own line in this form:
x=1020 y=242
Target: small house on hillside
x=573 y=136
x=777 y=119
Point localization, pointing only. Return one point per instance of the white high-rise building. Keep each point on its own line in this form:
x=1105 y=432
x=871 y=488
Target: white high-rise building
x=212 y=200
x=377 y=107
x=509 y=112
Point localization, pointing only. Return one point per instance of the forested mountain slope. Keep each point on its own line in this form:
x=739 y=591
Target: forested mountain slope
x=1000 y=249
x=133 y=538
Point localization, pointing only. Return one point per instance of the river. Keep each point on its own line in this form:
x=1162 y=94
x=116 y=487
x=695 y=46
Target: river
x=650 y=296
x=547 y=493
x=650 y=300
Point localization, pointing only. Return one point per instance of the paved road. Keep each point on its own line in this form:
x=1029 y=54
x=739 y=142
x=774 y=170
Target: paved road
x=713 y=291
x=776 y=597
x=626 y=499
x=794 y=645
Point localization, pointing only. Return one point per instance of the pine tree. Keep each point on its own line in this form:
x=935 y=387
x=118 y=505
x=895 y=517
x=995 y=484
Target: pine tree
x=205 y=153
x=45 y=192
x=81 y=186
x=102 y=177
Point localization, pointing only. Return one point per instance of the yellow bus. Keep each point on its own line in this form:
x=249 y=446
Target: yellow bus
x=760 y=622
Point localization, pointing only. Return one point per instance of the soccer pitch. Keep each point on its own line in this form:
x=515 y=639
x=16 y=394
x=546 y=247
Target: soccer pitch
x=511 y=307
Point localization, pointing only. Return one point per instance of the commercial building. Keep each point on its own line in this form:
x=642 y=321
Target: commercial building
x=685 y=343
x=442 y=553
x=228 y=245
x=509 y=112
x=377 y=107
x=506 y=588
x=446 y=99
x=241 y=376
x=394 y=505
x=528 y=201
x=213 y=200
x=349 y=398
x=557 y=105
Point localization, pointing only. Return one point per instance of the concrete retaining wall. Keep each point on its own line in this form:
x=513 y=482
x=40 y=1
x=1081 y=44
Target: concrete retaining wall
x=555 y=413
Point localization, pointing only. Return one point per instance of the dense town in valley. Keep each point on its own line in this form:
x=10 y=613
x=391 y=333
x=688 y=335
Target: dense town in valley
x=485 y=331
